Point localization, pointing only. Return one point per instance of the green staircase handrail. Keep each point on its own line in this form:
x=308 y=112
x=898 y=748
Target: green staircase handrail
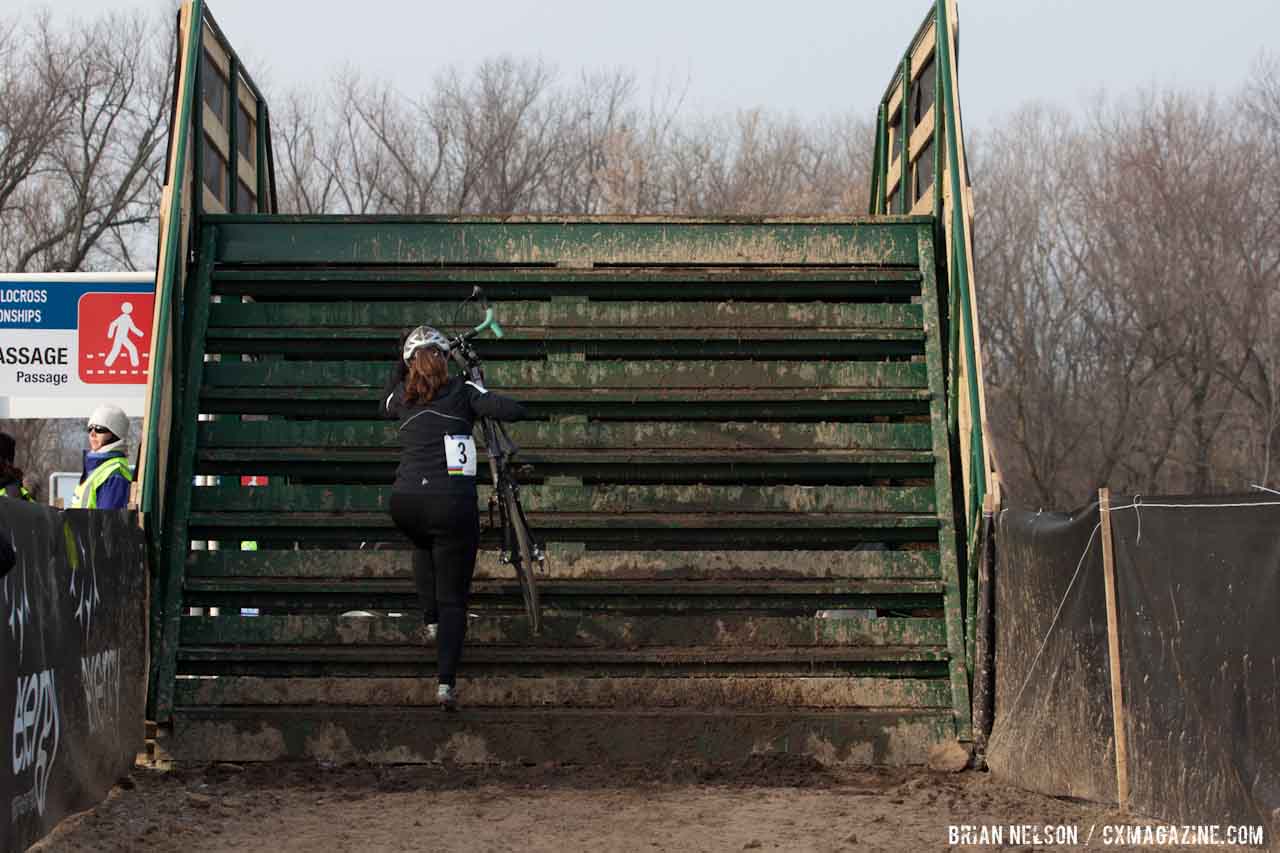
x=184 y=204
x=962 y=355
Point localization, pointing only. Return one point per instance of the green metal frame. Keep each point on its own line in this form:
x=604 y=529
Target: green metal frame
x=872 y=255
x=171 y=276
x=175 y=292
x=187 y=120
x=904 y=177
x=956 y=271
x=186 y=417
x=449 y=251
x=947 y=545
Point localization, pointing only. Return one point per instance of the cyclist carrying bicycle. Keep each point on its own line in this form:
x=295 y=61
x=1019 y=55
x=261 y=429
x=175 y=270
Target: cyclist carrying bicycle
x=433 y=500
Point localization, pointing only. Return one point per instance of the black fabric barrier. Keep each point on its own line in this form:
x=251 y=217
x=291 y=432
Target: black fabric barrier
x=1198 y=615
x=1198 y=597
x=1052 y=729
x=72 y=663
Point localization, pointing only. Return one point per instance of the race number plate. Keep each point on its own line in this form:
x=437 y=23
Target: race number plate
x=460 y=455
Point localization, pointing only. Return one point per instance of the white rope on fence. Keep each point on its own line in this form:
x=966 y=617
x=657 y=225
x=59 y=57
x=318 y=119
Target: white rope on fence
x=1145 y=505
x=1056 y=614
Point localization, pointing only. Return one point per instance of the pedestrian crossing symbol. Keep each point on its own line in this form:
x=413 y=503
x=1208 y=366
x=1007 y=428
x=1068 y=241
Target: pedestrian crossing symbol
x=115 y=337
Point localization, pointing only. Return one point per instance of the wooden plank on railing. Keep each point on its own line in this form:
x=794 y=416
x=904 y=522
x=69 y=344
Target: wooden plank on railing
x=153 y=449
x=972 y=400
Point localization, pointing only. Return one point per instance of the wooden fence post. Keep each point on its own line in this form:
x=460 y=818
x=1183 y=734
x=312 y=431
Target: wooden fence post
x=1113 y=648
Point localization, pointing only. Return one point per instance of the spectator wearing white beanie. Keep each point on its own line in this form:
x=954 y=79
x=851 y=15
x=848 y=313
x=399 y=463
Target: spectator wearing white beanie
x=106 y=478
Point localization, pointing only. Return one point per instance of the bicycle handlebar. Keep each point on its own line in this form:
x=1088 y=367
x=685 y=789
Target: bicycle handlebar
x=490 y=322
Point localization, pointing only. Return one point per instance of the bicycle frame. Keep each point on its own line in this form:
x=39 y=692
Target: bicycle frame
x=506 y=490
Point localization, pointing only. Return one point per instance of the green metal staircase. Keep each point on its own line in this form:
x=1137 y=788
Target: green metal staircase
x=738 y=458
x=757 y=455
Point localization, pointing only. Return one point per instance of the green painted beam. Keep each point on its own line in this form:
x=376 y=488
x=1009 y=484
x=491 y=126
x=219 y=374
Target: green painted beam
x=905 y=193
x=176 y=537
x=643 y=404
x=505 y=599
x=618 y=500
x=572 y=320
x=760 y=438
x=576 y=564
x=629 y=463
x=618 y=406
x=660 y=532
x=241 y=525
x=523 y=283
x=572 y=630
x=576 y=691
x=424 y=667
x=589 y=377
x=448 y=286
x=704 y=658
x=946 y=507
x=665 y=588
x=331 y=345
x=654 y=738
x=233 y=131
x=552 y=241
x=542 y=467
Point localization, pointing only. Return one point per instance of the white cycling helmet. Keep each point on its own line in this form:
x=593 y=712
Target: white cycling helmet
x=424 y=336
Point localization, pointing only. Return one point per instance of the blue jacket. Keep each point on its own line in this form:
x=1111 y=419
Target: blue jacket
x=114 y=493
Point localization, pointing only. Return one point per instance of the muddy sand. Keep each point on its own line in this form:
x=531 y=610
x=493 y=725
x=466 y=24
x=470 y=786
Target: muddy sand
x=767 y=803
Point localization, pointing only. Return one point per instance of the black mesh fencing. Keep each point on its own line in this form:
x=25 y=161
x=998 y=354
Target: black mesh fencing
x=1198 y=616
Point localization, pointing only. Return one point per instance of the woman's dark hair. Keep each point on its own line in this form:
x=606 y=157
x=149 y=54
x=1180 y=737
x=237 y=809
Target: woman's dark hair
x=428 y=371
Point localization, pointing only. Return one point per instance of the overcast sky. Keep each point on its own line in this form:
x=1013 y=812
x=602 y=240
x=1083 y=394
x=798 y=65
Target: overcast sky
x=808 y=58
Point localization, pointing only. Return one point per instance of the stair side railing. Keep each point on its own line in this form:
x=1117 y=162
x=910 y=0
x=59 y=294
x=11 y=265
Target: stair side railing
x=219 y=160
x=919 y=167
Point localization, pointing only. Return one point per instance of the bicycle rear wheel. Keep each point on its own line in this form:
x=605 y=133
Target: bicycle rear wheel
x=522 y=557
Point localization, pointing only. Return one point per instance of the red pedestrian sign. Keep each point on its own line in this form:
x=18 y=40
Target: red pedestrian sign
x=115 y=337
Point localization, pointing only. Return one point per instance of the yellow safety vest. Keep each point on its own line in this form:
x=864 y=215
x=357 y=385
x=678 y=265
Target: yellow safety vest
x=22 y=492
x=113 y=465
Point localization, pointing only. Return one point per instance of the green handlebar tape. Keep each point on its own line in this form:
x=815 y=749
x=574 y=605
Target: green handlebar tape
x=490 y=322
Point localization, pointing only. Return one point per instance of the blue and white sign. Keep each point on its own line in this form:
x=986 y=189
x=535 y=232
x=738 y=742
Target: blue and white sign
x=81 y=336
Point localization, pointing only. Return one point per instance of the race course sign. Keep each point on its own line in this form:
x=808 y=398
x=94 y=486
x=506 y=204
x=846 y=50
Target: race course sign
x=75 y=334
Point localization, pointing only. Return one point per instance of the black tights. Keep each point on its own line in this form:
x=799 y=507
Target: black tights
x=445 y=532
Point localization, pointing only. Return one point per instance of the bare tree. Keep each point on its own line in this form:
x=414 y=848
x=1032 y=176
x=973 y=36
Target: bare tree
x=36 y=104
x=1128 y=257
x=598 y=109
x=80 y=175
x=1044 y=361
x=307 y=183
x=1260 y=382
x=1175 y=207
x=1130 y=279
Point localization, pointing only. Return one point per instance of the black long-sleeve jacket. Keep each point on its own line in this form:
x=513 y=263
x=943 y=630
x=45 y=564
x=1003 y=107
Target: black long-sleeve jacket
x=437 y=450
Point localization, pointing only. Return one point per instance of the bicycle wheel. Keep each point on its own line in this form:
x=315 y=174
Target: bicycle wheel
x=523 y=560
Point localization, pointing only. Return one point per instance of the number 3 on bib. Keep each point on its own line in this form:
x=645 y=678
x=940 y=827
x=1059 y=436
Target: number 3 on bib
x=460 y=455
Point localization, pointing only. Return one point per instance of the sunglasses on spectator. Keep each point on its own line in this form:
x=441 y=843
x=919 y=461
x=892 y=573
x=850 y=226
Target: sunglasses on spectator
x=99 y=430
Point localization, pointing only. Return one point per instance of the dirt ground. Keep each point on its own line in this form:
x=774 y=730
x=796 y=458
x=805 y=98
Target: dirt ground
x=768 y=803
